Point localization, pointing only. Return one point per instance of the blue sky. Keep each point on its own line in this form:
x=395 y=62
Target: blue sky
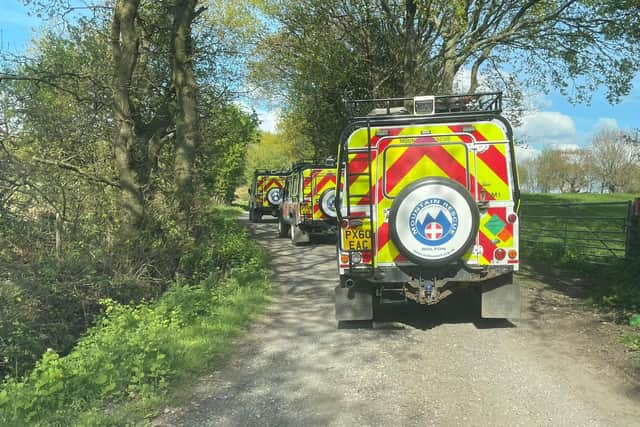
x=557 y=123
x=15 y=25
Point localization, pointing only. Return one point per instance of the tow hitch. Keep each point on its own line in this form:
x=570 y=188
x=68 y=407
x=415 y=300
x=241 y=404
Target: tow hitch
x=422 y=291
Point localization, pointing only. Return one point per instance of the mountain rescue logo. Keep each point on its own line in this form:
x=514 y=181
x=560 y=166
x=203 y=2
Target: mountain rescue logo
x=433 y=222
x=330 y=203
x=274 y=196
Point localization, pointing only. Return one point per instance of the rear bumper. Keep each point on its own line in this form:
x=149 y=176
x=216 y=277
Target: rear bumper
x=272 y=210
x=322 y=226
x=386 y=275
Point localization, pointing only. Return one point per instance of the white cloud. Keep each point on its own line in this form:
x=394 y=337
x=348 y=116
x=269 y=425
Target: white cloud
x=525 y=152
x=565 y=147
x=606 y=123
x=547 y=127
x=269 y=119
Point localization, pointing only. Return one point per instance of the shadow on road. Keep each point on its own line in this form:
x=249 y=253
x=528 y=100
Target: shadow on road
x=297 y=368
x=461 y=307
x=310 y=271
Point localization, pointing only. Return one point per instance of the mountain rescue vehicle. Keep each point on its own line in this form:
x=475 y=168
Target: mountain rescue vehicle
x=427 y=204
x=308 y=206
x=265 y=193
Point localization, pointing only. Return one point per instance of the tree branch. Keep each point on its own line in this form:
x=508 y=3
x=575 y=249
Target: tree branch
x=77 y=170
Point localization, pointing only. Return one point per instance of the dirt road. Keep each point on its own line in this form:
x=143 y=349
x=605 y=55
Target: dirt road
x=439 y=366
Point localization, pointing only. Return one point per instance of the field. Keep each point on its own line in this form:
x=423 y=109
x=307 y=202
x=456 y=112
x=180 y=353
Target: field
x=584 y=236
x=574 y=227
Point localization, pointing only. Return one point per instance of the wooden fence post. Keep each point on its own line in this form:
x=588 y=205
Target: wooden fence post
x=633 y=231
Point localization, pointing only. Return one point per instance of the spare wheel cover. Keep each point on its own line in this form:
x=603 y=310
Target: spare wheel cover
x=328 y=202
x=434 y=221
x=274 y=196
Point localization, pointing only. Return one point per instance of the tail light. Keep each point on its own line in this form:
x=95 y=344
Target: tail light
x=361 y=257
x=512 y=218
x=500 y=254
x=513 y=254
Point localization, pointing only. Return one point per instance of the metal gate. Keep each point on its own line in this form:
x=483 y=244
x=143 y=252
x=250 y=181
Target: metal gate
x=594 y=232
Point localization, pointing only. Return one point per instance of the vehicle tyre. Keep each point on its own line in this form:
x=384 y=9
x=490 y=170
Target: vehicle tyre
x=274 y=196
x=328 y=202
x=434 y=221
x=283 y=228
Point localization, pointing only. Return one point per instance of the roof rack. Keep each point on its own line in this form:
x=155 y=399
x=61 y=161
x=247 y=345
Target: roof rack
x=323 y=163
x=269 y=172
x=486 y=102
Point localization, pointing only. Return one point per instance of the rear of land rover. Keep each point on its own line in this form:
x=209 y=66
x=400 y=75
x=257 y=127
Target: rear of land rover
x=428 y=198
x=265 y=193
x=309 y=201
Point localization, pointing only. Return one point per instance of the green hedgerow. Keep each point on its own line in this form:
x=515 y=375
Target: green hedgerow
x=133 y=352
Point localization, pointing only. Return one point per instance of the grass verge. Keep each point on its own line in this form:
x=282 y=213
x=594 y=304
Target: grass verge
x=612 y=285
x=121 y=371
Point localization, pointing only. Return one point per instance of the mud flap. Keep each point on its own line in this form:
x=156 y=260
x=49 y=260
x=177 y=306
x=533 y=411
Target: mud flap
x=353 y=304
x=501 y=298
x=298 y=236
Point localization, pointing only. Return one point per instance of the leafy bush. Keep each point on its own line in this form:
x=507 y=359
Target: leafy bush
x=49 y=304
x=133 y=352
x=225 y=247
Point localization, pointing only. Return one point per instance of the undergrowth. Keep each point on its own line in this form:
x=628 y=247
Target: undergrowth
x=121 y=369
x=611 y=284
x=613 y=287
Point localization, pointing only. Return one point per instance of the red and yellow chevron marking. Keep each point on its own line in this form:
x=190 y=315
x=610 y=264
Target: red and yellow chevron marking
x=265 y=183
x=412 y=153
x=315 y=183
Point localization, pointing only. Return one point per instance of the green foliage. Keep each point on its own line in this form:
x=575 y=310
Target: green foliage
x=229 y=248
x=632 y=341
x=44 y=305
x=222 y=155
x=134 y=352
x=274 y=151
x=558 y=226
x=616 y=287
x=318 y=52
x=610 y=283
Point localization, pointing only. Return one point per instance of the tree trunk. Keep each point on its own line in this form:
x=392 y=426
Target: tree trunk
x=187 y=114
x=124 y=46
x=409 y=60
x=449 y=67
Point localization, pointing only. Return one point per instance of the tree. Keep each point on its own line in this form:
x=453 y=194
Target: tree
x=323 y=51
x=574 y=169
x=184 y=80
x=613 y=159
x=108 y=116
x=223 y=157
x=548 y=169
x=125 y=43
x=527 y=175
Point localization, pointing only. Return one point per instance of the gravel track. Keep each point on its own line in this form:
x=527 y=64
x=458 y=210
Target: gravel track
x=440 y=366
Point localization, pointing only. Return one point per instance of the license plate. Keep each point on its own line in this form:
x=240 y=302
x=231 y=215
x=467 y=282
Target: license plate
x=356 y=239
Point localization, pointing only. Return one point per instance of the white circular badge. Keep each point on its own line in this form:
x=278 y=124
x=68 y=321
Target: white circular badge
x=328 y=203
x=433 y=221
x=274 y=196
